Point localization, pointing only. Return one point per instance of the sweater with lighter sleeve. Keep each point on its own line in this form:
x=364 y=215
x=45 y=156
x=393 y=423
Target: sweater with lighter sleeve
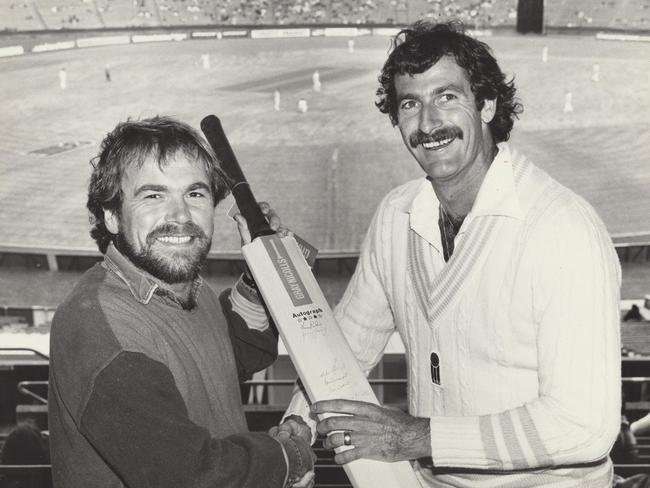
x=513 y=345
x=145 y=393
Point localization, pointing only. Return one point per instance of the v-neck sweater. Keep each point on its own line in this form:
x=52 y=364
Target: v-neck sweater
x=523 y=320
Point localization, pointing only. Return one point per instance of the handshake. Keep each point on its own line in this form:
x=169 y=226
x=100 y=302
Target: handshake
x=380 y=433
x=295 y=437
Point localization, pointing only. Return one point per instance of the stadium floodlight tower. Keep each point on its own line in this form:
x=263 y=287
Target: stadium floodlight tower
x=530 y=16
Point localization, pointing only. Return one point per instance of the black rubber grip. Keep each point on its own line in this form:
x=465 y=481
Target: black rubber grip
x=257 y=223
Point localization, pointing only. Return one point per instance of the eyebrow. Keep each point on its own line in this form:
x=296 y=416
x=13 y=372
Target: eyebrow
x=163 y=188
x=144 y=188
x=435 y=91
x=199 y=185
x=450 y=86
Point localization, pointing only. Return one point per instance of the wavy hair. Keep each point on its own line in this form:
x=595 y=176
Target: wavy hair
x=132 y=142
x=418 y=47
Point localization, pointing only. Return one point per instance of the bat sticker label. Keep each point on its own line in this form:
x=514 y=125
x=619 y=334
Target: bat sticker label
x=287 y=272
x=435 y=369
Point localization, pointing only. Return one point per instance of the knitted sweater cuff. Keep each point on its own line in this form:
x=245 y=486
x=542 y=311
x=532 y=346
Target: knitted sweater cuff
x=299 y=456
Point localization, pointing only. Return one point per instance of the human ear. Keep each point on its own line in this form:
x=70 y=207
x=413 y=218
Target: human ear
x=111 y=221
x=488 y=110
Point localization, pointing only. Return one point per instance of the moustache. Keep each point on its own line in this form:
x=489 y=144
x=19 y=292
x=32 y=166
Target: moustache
x=170 y=230
x=420 y=137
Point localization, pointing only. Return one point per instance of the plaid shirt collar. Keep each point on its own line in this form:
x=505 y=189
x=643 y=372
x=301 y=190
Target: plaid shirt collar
x=140 y=283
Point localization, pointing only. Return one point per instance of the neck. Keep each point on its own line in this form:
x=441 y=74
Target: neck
x=457 y=195
x=182 y=291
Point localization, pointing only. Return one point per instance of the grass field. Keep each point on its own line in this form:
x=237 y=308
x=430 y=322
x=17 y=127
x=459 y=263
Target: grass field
x=324 y=170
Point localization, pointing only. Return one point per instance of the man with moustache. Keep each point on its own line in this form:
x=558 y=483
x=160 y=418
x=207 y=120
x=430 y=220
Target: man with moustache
x=502 y=284
x=145 y=370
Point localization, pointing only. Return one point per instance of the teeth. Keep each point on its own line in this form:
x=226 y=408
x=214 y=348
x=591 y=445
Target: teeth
x=434 y=144
x=175 y=239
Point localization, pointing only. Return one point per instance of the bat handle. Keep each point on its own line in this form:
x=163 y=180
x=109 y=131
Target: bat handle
x=250 y=209
x=241 y=191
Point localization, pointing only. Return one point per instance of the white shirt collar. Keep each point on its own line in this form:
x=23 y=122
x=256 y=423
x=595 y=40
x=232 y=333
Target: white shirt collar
x=497 y=196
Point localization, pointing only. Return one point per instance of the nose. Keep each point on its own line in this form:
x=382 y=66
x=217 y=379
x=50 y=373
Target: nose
x=178 y=211
x=429 y=118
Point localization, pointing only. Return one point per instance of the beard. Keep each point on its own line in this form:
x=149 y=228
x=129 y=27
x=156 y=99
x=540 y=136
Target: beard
x=171 y=267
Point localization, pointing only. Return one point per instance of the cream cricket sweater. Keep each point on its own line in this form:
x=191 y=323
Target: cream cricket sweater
x=524 y=320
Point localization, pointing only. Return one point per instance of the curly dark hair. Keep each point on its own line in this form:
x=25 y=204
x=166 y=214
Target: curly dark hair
x=131 y=142
x=418 y=47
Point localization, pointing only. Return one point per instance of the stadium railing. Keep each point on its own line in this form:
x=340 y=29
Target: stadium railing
x=328 y=473
x=630 y=247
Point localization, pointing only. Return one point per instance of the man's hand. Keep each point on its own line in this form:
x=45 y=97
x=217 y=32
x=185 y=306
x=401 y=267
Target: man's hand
x=306 y=481
x=379 y=433
x=295 y=428
x=274 y=222
x=293 y=425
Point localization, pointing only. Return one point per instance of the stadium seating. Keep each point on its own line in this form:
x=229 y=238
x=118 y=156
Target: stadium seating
x=20 y=15
x=68 y=14
x=475 y=14
x=601 y=13
x=128 y=13
x=191 y=12
x=95 y=14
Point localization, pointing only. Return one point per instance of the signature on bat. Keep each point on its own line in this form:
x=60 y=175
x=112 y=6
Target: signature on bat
x=336 y=376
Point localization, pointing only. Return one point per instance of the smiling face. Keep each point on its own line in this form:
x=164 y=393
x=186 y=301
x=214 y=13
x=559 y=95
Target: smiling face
x=165 y=223
x=441 y=124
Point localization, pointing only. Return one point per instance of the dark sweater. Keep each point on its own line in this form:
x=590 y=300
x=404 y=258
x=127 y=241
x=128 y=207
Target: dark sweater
x=146 y=394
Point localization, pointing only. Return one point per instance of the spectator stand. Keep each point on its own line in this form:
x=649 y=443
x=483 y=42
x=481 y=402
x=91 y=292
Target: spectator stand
x=128 y=13
x=52 y=15
x=611 y=14
x=68 y=14
x=20 y=16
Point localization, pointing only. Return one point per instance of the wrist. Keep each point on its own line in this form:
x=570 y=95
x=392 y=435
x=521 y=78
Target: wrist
x=247 y=288
x=248 y=280
x=419 y=438
x=299 y=456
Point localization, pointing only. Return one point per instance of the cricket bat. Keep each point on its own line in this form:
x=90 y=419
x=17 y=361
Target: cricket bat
x=316 y=345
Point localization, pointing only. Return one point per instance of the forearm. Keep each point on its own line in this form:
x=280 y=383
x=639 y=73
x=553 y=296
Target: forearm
x=641 y=426
x=574 y=419
x=254 y=341
x=299 y=406
x=531 y=436
x=136 y=420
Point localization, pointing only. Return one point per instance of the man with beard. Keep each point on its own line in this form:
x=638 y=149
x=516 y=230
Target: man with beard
x=502 y=284
x=145 y=371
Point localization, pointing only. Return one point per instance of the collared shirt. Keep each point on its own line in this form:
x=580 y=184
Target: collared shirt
x=245 y=301
x=497 y=196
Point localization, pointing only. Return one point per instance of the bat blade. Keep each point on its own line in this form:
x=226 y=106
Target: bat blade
x=321 y=355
